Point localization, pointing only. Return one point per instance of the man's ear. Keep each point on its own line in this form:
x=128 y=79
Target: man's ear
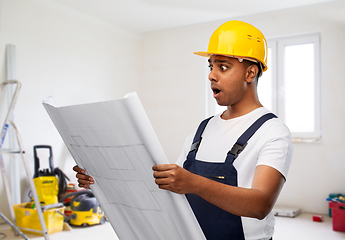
x=251 y=73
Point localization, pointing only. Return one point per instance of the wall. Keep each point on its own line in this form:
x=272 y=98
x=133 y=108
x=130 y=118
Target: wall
x=317 y=168
x=74 y=58
x=173 y=79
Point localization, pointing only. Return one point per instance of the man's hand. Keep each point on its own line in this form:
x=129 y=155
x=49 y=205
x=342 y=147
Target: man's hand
x=174 y=178
x=84 y=180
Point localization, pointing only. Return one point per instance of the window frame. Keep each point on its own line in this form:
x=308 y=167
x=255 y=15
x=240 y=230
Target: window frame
x=277 y=45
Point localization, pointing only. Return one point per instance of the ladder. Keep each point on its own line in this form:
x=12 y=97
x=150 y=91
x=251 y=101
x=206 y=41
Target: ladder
x=7 y=123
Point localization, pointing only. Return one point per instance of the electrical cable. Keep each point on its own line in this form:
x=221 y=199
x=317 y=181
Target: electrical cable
x=62 y=180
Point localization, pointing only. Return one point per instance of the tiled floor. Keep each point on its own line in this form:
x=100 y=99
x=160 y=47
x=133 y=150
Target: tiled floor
x=301 y=227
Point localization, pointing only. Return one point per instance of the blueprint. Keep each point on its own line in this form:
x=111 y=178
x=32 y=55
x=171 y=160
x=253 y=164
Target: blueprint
x=115 y=143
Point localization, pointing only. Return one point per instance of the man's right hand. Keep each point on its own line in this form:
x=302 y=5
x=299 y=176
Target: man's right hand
x=84 y=180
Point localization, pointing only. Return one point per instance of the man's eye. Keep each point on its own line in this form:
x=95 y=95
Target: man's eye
x=210 y=67
x=223 y=68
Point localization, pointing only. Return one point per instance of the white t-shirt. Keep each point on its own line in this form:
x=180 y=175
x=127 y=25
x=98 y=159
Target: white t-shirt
x=270 y=145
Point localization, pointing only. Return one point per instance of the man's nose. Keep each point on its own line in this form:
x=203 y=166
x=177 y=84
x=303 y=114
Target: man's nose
x=212 y=76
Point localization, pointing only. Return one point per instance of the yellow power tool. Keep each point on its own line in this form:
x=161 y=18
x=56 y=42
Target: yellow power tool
x=49 y=182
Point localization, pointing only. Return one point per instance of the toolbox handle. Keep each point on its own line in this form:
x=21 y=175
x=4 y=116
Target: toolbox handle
x=50 y=206
x=37 y=161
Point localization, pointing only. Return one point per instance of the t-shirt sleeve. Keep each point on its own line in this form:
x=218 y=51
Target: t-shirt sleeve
x=185 y=150
x=277 y=151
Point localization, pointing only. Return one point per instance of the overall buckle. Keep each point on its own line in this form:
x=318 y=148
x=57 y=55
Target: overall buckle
x=195 y=146
x=237 y=149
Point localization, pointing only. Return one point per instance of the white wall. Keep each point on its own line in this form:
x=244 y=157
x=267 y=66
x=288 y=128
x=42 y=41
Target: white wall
x=78 y=60
x=317 y=169
x=174 y=82
x=71 y=57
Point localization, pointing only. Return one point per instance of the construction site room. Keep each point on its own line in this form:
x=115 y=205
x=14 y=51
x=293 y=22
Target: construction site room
x=69 y=68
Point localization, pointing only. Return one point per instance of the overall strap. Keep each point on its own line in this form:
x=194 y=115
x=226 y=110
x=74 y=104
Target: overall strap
x=243 y=139
x=197 y=136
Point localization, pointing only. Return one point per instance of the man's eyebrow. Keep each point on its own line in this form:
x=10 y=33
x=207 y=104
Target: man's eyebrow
x=219 y=61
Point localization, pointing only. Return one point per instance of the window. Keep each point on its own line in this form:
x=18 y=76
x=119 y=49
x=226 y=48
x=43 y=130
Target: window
x=291 y=86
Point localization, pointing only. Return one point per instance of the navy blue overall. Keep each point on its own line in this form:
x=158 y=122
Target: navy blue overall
x=216 y=223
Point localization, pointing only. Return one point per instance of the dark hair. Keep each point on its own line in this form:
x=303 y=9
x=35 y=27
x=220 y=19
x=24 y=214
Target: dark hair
x=259 y=65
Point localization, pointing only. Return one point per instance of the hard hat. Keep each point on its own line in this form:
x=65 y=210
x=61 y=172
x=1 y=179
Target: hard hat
x=240 y=40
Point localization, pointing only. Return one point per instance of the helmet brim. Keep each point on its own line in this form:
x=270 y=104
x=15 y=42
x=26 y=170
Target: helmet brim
x=208 y=54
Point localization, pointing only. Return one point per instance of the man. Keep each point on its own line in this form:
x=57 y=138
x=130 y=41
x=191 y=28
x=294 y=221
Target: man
x=234 y=166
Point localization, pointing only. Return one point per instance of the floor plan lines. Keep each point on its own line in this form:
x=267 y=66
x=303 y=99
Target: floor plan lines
x=116 y=144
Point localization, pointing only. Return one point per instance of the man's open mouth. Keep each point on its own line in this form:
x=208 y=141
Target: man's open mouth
x=215 y=91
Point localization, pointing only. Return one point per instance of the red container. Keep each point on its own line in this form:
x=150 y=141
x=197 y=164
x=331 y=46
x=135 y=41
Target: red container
x=338 y=216
x=316 y=218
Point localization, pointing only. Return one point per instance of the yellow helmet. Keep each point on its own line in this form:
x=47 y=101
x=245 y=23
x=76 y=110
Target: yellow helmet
x=240 y=40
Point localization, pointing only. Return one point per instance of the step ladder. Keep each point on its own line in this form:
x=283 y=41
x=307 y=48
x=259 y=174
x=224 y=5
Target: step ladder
x=9 y=123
